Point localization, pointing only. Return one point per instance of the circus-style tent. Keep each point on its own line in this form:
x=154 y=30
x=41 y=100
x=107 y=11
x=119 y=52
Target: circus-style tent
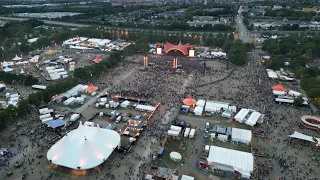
x=278 y=87
x=91 y=88
x=84 y=147
x=97 y=60
x=189 y=101
x=17 y=58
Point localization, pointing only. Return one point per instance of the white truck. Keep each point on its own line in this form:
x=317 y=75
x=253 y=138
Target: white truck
x=192 y=133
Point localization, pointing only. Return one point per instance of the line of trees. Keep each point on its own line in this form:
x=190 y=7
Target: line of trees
x=10 y=78
x=299 y=50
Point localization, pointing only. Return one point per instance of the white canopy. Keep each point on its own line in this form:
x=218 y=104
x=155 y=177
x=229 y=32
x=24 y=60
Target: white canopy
x=175 y=156
x=305 y=137
x=241 y=135
x=198 y=110
x=279 y=93
x=84 y=147
x=5 y=64
x=201 y=102
x=185 y=177
x=17 y=58
x=145 y=108
x=272 y=74
x=7 y=69
x=241 y=115
x=254 y=117
x=238 y=160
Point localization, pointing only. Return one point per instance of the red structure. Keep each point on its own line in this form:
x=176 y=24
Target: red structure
x=180 y=47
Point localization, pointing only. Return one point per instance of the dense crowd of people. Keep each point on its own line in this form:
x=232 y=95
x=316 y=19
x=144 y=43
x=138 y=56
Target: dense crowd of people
x=247 y=86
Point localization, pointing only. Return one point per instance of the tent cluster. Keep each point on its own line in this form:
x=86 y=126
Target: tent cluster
x=286 y=96
x=200 y=106
x=279 y=75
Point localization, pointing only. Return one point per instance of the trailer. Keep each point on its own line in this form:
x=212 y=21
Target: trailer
x=186 y=132
x=192 y=132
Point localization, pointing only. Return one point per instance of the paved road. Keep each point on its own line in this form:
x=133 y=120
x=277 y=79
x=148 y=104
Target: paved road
x=243 y=32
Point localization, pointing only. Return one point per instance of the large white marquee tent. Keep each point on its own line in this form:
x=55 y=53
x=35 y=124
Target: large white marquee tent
x=241 y=135
x=84 y=147
x=230 y=160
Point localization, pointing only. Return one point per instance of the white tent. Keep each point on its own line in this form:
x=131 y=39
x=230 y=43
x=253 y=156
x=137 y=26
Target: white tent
x=241 y=115
x=198 y=110
x=84 y=147
x=241 y=135
x=226 y=114
x=305 y=137
x=220 y=105
x=201 y=103
x=254 y=117
x=124 y=104
x=294 y=93
x=230 y=160
x=272 y=74
x=279 y=93
x=7 y=69
x=145 y=108
x=222 y=137
x=17 y=58
x=175 y=156
x=5 y=64
x=185 y=177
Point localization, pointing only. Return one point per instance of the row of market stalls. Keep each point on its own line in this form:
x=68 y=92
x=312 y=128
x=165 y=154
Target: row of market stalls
x=202 y=106
x=7 y=66
x=84 y=43
x=75 y=94
x=55 y=120
x=286 y=96
x=279 y=75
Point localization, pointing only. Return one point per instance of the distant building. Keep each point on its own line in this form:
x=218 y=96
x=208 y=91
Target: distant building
x=275 y=7
x=309 y=10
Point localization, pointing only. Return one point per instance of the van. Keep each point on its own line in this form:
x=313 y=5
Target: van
x=207 y=125
x=119 y=118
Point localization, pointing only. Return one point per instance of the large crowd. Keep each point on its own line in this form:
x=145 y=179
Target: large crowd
x=247 y=86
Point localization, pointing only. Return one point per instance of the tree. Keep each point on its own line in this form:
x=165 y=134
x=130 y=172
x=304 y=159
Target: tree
x=298 y=101
x=23 y=108
x=275 y=62
x=30 y=80
x=237 y=53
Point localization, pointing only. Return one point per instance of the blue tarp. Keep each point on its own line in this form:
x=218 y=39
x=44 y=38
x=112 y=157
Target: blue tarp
x=229 y=131
x=109 y=127
x=56 y=123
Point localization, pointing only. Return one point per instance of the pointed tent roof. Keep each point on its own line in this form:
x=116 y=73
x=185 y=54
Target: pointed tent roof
x=92 y=88
x=97 y=59
x=189 y=101
x=84 y=147
x=17 y=58
x=278 y=87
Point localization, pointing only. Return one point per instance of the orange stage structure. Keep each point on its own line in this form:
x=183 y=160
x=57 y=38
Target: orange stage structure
x=185 y=49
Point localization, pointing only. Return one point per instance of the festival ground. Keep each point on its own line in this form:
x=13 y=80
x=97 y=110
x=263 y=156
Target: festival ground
x=281 y=157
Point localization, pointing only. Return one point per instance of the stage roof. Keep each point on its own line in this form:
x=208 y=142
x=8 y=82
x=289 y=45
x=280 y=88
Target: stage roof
x=84 y=147
x=180 y=47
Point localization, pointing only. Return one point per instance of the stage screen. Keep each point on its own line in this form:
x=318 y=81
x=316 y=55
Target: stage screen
x=191 y=53
x=159 y=50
